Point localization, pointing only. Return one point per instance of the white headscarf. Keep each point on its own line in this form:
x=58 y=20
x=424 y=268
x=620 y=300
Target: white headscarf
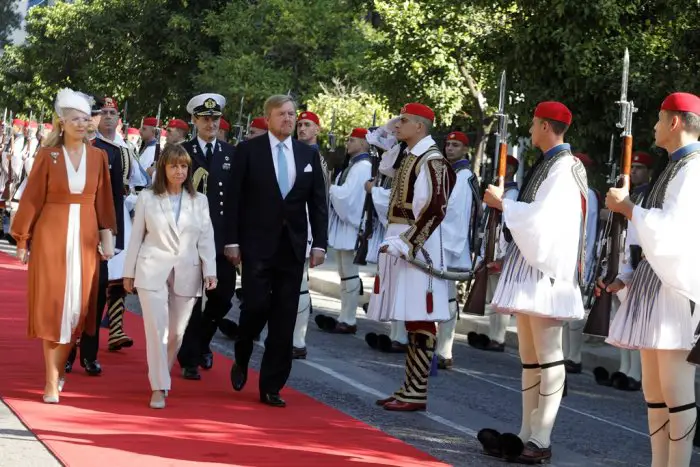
x=69 y=99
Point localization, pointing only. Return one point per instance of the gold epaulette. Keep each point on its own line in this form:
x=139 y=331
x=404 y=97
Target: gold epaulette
x=200 y=176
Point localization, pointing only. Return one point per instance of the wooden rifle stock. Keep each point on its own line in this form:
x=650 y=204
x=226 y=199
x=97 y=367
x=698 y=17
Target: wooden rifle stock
x=694 y=355
x=598 y=323
x=476 y=300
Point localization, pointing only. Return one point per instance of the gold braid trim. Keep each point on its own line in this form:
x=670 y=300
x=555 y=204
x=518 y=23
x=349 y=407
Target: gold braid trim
x=200 y=176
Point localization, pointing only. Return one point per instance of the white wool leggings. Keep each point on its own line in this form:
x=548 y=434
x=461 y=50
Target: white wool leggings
x=668 y=382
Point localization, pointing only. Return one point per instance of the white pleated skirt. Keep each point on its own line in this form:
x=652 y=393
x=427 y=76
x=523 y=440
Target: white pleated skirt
x=653 y=316
x=527 y=290
x=403 y=287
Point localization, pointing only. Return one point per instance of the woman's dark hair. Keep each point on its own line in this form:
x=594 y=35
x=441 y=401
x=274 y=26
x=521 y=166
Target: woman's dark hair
x=172 y=154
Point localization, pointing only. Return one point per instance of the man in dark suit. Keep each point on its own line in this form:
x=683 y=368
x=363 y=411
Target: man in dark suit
x=212 y=164
x=274 y=179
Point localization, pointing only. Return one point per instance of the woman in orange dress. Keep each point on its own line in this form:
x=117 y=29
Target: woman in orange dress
x=67 y=200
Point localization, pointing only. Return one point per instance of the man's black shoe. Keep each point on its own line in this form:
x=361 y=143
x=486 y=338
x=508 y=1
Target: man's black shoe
x=92 y=368
x=239 y=376
x=191 y=373
x=273 y=400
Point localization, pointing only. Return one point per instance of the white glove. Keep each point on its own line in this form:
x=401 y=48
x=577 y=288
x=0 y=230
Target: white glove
x=383 y=137
x=395 y=247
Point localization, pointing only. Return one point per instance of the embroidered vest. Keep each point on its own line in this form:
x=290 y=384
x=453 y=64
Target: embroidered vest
x=401 y=201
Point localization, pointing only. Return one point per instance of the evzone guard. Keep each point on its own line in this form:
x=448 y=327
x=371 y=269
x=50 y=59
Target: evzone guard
x=540 y=281
x=658 y=315
x=495 y=340
x=346 y=198
x=422 y=183
x=463 y=213
x=379 y=189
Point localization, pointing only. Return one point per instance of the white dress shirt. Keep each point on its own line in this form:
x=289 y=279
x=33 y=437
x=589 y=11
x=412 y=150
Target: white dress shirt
x=289 y=154
x=203 y=145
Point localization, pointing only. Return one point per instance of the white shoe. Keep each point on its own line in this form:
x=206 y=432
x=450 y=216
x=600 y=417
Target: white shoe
x=50 y=399
x=61 y=383
x=158 y=400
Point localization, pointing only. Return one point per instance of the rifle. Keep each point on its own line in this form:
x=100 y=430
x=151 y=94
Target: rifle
x=476 y=301
x=157 y=155
x=603 y=236
x=125 y=121
x=238 y=127
x=9 y=141
x=367 y=227
x=598 y=323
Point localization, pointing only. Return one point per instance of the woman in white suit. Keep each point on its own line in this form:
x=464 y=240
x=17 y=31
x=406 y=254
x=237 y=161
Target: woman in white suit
x=171 y=252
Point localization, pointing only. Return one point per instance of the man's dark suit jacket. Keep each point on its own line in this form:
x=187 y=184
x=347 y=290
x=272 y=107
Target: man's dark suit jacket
x=257 y=214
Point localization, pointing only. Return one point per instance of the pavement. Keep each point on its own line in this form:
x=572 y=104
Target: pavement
x=596 y=426
x=594 y=352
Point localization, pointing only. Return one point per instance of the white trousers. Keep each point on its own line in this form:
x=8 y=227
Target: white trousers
x=165 y=318
x=668 y=381
x=498 y=322
x=446 y=330
x=303 y=310
x=543 y=377
x=350 y=286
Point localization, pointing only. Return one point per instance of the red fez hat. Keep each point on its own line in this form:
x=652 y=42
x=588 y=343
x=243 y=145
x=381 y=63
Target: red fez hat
x=48 y=126
x=585 y=159
x=510 y=160
x=359 y=133
x=17 y=122
x=644 y=158
x=110 y=103
x=306 y=115
x=150 y=121
x=133 y=131
x=224 y=125
x=419 y=110
x=259 y=123
x=553 y=111
x=177 y=123
x=682 y=102
x=458 y=136
x=33 y=125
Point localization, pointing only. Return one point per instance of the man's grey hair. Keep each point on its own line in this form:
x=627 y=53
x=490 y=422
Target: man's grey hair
x=426 y=123
x=275 y=102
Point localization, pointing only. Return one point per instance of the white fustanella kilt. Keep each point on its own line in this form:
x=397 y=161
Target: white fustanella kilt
x=403 y=287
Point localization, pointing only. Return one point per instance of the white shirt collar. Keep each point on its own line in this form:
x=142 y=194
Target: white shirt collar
x=422 y=145
x=203 y=144
x=274 y=141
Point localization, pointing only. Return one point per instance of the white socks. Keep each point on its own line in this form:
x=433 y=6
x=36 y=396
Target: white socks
x=631 y=364
x=531 y=397
x=350 y=287
x=574 y=339
x=498 y=324
x=303 y=311
x=446 y=333
x=398 y=332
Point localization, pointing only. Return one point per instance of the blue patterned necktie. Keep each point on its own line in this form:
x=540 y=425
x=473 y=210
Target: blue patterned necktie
x=282 y=175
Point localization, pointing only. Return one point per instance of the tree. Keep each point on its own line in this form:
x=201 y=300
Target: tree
x=550 y=57
x=425 y=51
x=279 y=46
x=9 y=20
x=114 y=48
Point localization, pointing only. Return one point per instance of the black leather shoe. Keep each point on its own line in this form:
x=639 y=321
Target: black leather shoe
x=191 y=373
x=207 y=361
x=299 y=353
x=273 y=400
x=71 y=359
x=239 y=376
x=92 y=368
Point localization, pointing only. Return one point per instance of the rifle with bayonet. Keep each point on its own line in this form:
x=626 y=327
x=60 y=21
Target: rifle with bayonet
x=9 y=144
x=602 y=240
x=158 y=130
x=125 y=121
x=598 y=323
x=238 y=127
x=367 y=221
x=476 y=300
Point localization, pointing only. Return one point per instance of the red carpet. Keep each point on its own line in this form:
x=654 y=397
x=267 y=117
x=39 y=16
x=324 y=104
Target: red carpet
x=106 y=420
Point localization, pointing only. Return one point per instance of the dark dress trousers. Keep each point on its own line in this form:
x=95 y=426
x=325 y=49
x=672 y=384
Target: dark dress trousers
x=272 y=234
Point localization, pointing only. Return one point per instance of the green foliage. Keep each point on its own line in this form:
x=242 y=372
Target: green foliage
x=279 y=46
x=351 y=106
x=550 y=57
x=115 y=48
x=9 y=20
